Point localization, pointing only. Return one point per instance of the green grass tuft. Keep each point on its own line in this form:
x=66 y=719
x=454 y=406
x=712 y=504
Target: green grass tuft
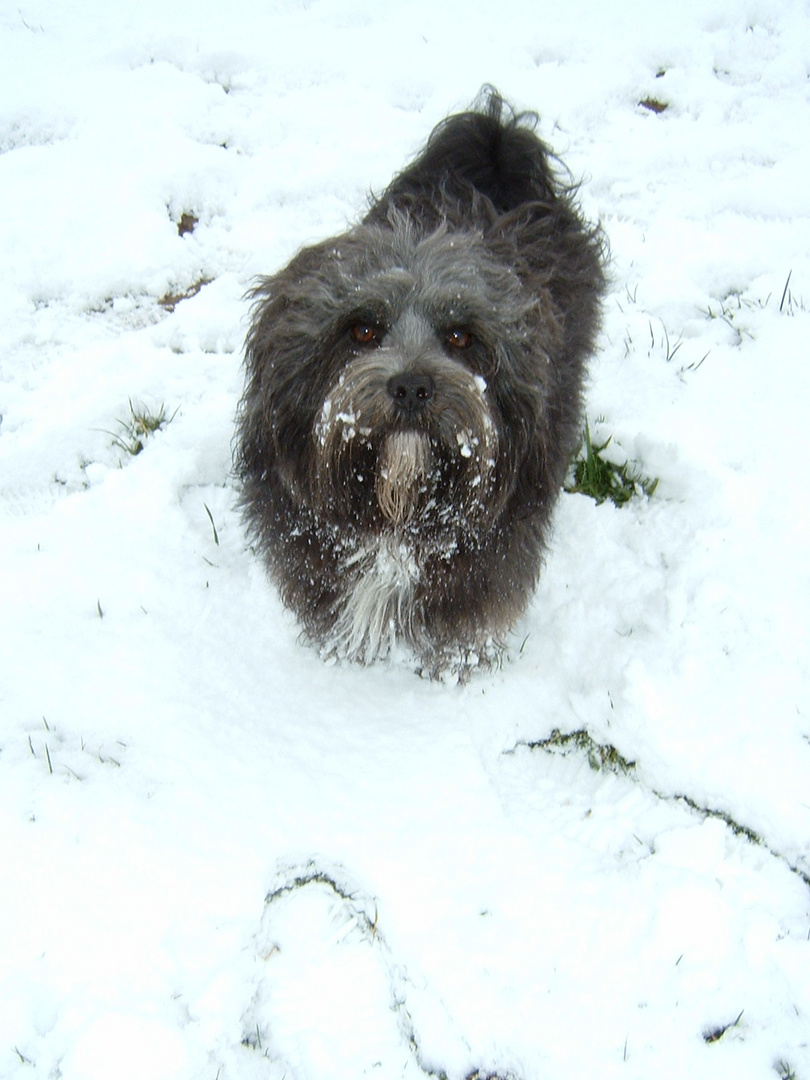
x=601 y=479
x=715 y=1034
x=139 y=425
x=213 y=526
x=785 y=1071
x=601 y=756
x=654 y=105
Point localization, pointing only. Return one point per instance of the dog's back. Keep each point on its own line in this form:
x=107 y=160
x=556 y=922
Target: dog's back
x=488 y=167
x=489 y=150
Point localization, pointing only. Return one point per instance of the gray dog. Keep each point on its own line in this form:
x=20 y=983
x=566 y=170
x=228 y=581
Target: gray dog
x=413 y=398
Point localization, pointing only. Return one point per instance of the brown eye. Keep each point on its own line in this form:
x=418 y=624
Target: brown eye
x=459 y=339
x=364 y=333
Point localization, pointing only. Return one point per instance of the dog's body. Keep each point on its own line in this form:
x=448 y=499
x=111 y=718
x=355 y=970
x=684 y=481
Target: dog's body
x=413 y=398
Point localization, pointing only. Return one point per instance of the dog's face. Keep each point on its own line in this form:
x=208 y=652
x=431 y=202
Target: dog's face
x=400 y=382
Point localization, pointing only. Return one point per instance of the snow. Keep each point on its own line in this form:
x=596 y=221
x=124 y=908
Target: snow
x=226 y=858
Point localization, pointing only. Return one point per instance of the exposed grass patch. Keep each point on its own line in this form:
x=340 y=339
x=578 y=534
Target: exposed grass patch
x=595 y=475
x=730 y=308
x=790 y=304
x=186 y=224
x=605 y=757
x=660 y=343
x=139 y=425
x=360 y=909
x=654 y=105
x=602 y=757
x=670 y=350
x=727 y=819
x=170 y=301
x=785 y=1071
x=739 y=830
x=713 y=1035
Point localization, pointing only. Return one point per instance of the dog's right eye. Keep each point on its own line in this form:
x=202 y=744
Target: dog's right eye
x=364 y=333
x=459 y=339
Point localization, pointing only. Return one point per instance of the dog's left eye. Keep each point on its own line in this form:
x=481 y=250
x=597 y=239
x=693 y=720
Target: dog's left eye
x=364 y=333
x=459 y=339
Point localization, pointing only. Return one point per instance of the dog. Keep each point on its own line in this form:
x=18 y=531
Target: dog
x=412 y=399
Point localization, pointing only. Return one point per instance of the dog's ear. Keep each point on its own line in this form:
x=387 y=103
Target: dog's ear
x=270 y=301
x=254 y=408
x=263 y=418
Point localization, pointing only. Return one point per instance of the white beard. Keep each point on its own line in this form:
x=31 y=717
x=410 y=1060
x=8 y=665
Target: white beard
x=404 y=466
x=377 y=610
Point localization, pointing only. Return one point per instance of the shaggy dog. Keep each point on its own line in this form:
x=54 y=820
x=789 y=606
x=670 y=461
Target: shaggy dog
x=413 y=398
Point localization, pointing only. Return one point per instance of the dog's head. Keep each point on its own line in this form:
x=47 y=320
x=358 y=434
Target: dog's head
x=400 y=377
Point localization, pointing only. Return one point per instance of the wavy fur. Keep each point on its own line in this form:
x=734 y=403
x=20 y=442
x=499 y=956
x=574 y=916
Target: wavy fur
x=412 y=398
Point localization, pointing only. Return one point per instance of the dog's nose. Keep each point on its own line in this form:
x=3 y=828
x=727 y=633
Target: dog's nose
x=411 y=391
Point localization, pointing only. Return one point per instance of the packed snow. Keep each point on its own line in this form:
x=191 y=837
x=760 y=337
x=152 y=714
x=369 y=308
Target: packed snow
x=224 y=858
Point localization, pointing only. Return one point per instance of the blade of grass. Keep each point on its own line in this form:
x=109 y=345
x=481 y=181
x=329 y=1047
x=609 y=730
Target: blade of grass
x=213 y=526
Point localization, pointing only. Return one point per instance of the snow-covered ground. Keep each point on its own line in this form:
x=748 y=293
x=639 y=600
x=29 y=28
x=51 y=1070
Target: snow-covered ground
x=223 y=858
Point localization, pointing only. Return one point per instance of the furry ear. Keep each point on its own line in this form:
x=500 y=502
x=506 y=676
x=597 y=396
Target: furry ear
x=255 y=443
x=268 y=424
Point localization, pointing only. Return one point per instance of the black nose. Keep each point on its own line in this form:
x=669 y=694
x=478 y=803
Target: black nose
x=411 y=391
